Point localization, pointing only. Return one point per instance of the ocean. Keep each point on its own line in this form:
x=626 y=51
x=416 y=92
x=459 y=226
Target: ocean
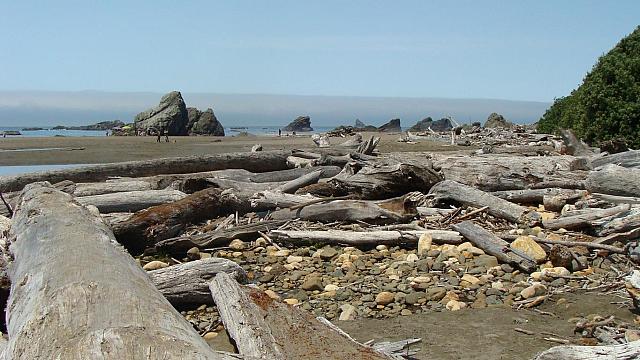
x=229 y=131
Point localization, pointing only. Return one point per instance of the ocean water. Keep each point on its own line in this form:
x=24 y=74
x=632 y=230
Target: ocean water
x=229 y=131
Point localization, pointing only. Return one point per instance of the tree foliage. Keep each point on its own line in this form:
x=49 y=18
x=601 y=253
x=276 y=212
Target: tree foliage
x=607 y=104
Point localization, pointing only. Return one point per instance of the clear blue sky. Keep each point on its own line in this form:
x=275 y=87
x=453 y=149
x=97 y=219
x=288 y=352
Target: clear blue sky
x=521 y=50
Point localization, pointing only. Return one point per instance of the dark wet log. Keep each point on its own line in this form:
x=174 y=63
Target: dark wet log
x=364 y=238
x=462 y=194
x=247 y=232
x=493 y=245
x=582 y=220
x=379 y=181
x=501 y=172
x=574 y=352
x=614 y=180
x=264 y=328
x=149 y=226
x=188 y=284
x=343 y=210
x=627 y=159
x=257 y=162
x=132 y=200
x=536 y=196
x=77 y=295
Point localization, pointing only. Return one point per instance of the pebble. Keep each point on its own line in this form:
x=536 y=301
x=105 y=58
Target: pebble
x=327 y=253
x=536 y=289
x=292 y=301
x=424 y=244
x=155 y=265
x=294 y=259
x=312 y=283
x=530 y=247
x=470 y=279
x=210 y=335
x=193 y=253
x=385 y=298
x=237 y=244
x=272 y=294
x=454 y=305
x=412 y=258
x=348 y=312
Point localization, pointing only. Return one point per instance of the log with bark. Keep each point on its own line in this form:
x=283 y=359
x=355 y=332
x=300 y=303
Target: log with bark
x=257 y=162
x=614 y=180
x=76 y=294
x=449 y=190
x=493 y=245
x=187 y=284
x=132 y=200
x=149 y=226
x=264 y=328
x=364 y=238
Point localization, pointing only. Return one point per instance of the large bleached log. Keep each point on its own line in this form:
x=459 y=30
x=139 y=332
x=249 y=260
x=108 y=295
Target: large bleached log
x=537 y=196
x=77 y=295
x=149 y=226
x=265 y=200
x=291 y=186
x=628 y=159
x=131 y=201
x=257 y=162
x=583 y=220
x=622 y=223
x=247 y=232
x=493 y=245
x=364 y=238
x=292 y=174
x=380 y=181
x=497 y=172
x=89 y=189
x=188 y=284
x=263 y=328
x=449 y=190
x=626 y=351
x=614 y=180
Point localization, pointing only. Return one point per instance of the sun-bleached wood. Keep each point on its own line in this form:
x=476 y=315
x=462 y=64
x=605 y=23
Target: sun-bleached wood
x=131 y=201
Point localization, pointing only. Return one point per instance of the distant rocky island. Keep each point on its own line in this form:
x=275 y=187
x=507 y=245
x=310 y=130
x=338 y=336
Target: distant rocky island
x=300 y=124
x=103 y=125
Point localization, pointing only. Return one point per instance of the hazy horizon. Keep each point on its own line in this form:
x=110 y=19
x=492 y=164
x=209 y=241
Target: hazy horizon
x=51 y=108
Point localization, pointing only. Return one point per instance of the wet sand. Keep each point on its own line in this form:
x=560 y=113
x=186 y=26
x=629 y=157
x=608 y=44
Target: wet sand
x=96 y=150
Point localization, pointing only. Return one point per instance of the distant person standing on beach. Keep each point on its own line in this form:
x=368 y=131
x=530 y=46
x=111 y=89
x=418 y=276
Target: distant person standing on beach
x=279 y=132
x=166 y=135
x=160 y=133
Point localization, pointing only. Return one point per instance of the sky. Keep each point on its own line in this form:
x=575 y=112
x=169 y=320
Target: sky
x=515 y=50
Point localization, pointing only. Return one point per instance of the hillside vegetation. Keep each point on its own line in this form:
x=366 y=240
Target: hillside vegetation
x=607 y=104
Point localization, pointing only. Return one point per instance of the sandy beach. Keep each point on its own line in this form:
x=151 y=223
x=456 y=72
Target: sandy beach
x=96 y=150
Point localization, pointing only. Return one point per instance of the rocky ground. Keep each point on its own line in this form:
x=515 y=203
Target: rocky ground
x=406 y=286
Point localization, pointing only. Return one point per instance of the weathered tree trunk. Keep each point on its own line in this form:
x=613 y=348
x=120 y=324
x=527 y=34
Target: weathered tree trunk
x=149 y=226
x=258 y=162
x=90 y=189
x=132 y=200
x=342 y=210
x=188 y=284
x=626 y=351
x=364 y=238
x=623 y=223
x=627 y=159
x=266 y=329
x=265 y=200
x=380 y=182
x=76 y=295
x=583 y=220
x=180 y=244
x=537 y=196
x=493 y=245
x=291 y=186
x=496 y=172
x=453 y=191
x=614 y=180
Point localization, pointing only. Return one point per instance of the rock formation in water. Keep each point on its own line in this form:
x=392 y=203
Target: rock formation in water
x=203 y=123
x=391 y=126
x=300 y=124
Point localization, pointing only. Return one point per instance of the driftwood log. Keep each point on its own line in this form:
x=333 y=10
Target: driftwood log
x=76 y=294
x=131 y=201
x=614 y=180
x=264 y=328
x=188 y=284
x=449 y=190
x=626 y=351
x=628 y=159
x=343 y=210
x=583 y=220
x=493 y=245
x=537 y=196
x=364 y=238
x=156 y=223
x=257 y=162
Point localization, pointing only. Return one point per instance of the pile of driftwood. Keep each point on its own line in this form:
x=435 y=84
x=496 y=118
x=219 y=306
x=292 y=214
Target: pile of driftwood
x=72 y=292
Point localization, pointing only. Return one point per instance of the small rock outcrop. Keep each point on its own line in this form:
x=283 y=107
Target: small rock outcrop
x=496 y=120
x=391 y=126
x=360 y=126
x=103 y=125
x=203 y=123
x=170 y=114
x=441 y=125
x=300 y=124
